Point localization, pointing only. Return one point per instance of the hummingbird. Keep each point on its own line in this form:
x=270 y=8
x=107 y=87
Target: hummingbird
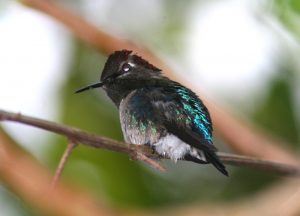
x=157 y=111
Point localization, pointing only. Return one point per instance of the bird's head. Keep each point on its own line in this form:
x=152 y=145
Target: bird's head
x=124 y=67
x=123 y=73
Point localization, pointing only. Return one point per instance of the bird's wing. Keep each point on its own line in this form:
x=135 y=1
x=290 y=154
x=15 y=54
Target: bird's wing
x=183 y=114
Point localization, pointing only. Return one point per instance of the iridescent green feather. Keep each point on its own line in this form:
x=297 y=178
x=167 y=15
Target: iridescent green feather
x=196 y=111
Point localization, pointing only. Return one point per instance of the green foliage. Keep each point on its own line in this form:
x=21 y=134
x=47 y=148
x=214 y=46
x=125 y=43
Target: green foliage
x=277 y=113
x=288 y=11
x=295 y=5
x=285 y=5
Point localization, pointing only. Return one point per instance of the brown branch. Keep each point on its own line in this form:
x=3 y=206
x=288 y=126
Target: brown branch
x=81 y=136
x=140 y=152
x=264 y=165
x=62 y=162
x=239 y=135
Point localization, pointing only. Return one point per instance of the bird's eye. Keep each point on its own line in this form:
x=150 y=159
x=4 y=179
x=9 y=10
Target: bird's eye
x=126 y=67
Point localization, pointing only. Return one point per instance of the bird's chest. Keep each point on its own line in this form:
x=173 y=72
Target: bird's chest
x=138 y=126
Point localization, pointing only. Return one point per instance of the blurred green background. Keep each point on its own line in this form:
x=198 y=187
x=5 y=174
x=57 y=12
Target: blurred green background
x=166 y=27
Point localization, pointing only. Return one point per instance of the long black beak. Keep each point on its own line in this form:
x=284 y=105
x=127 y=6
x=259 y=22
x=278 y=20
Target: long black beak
x=92 y=86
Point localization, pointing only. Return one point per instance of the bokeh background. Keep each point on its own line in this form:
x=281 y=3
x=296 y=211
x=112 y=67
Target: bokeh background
x=244 y=54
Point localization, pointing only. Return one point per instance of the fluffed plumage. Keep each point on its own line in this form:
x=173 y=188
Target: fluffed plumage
x=157 y=111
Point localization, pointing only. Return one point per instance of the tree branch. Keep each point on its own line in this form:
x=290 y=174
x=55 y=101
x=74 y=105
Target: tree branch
x=264 y=165
x=140 y=152
x=83 y=137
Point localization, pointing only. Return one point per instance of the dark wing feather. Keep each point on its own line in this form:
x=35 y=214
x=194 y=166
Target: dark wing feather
x=181 y=108
x=184 y=115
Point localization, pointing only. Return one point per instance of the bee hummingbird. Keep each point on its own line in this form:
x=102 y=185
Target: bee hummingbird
x=157 y=111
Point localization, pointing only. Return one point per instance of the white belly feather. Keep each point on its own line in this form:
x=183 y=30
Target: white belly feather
x=175 y=148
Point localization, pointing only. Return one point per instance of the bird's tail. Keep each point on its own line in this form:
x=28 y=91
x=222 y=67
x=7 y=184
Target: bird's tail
x=210 y=157
x=214 y=160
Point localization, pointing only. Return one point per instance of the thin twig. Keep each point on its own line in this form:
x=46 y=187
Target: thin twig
x=142 y=157
x=143 y=153
x=62 y=162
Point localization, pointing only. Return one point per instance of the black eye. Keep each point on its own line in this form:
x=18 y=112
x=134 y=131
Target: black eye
x=126 y=67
